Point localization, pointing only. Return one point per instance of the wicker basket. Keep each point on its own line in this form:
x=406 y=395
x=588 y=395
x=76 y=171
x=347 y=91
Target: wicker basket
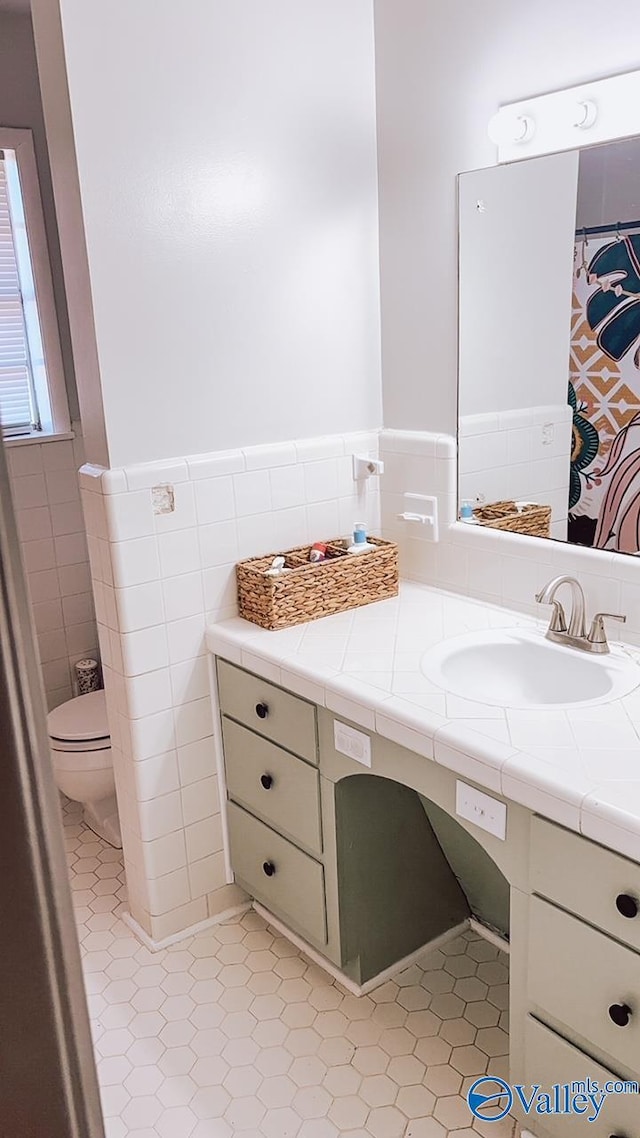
x=523 y=517
x=312 y=590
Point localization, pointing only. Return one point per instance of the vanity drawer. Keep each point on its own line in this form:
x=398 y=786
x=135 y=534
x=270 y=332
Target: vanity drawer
x=587 y=879
x=576 y=974
x=549 y=1059
x=267 y=709
x=282 y=789
x=277 y=873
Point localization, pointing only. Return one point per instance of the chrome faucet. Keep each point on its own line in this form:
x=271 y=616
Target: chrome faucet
x=575 y=635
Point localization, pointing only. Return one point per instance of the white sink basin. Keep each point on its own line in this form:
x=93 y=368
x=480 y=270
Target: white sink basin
x=519 y=668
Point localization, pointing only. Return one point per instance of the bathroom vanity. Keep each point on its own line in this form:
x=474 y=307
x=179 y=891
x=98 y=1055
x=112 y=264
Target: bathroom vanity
x=395 y=771
x=345 y=809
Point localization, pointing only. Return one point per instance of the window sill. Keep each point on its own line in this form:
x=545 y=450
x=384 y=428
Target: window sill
x=38 y=437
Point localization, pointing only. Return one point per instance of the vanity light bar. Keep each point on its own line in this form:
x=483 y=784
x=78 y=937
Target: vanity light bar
x=579 y=116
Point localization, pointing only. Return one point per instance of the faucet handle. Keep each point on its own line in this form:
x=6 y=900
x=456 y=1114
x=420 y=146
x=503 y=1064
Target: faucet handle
x=597 y=634
x=558 y=622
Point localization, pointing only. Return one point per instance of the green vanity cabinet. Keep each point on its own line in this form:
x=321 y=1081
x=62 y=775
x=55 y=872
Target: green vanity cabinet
x=274 y=785
x=369 y=862
x=576 y=975
x=577 y=987
x=354 y=869
x=274 y=815
x=600 y=886
x=277 y=872
x=551 y=1060
x=270 y=710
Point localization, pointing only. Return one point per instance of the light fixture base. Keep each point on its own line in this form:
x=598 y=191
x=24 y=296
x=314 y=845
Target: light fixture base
x=605 y=110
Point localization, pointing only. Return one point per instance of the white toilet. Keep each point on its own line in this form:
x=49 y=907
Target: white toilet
x=82 y=761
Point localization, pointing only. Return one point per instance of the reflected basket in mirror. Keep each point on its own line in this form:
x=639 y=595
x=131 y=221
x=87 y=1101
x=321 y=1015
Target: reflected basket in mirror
x=517 y=517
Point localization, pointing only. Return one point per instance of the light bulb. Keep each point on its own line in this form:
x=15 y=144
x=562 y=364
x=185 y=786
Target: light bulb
x=505 y=128
x=585 y=114
x=524 y=128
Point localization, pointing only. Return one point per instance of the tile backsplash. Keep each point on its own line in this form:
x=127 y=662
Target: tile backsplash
x=158 y=578
x=502 y=568
x=46 y=496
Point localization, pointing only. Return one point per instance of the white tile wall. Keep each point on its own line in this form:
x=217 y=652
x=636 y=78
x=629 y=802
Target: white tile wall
x=46 y=495
x=522 y=454
x=157 y=580
x=502 y=568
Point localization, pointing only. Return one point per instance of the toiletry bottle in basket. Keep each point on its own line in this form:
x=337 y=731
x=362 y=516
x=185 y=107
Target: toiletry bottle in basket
x=360 y=543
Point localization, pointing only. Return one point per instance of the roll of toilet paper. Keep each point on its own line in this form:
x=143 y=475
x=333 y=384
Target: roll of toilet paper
x=88 y=674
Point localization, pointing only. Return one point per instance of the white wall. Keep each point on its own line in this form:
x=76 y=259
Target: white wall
x=21 y=106
x=227 y=166
x=442 y=69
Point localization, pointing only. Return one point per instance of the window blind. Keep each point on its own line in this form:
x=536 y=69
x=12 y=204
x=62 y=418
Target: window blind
x=18 y=413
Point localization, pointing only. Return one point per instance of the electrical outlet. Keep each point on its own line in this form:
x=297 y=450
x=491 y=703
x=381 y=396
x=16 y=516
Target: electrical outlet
x=481 y=809
x=354 y=744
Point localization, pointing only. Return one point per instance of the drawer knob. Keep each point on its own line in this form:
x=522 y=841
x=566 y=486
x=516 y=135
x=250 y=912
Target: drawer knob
x=620 y=1014
x=269 y=868
x=262 y=710
x=627 y=905
x=267 y=781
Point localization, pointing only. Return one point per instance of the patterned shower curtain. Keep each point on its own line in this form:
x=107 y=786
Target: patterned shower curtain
x=604 y=392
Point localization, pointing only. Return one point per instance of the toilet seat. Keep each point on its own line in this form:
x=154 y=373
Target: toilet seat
x=65 y=746
x=80 y=724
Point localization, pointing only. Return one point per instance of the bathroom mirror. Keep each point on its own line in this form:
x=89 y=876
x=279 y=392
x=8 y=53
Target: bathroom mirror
x=549 y=351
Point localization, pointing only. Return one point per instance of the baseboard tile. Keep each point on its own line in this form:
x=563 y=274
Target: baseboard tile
x=312 y=953
x=346 y=981
x=488 y=934
x=192 y=930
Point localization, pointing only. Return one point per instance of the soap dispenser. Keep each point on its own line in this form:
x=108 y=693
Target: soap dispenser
x=360 y=543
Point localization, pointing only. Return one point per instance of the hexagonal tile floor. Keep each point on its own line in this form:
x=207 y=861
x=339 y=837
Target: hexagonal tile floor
x=234 y=1031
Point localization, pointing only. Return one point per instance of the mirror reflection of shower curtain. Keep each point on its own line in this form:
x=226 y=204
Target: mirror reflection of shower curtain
x=604 y=391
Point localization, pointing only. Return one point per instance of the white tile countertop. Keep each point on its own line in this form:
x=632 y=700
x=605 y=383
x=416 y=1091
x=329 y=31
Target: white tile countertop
x=579 y=767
